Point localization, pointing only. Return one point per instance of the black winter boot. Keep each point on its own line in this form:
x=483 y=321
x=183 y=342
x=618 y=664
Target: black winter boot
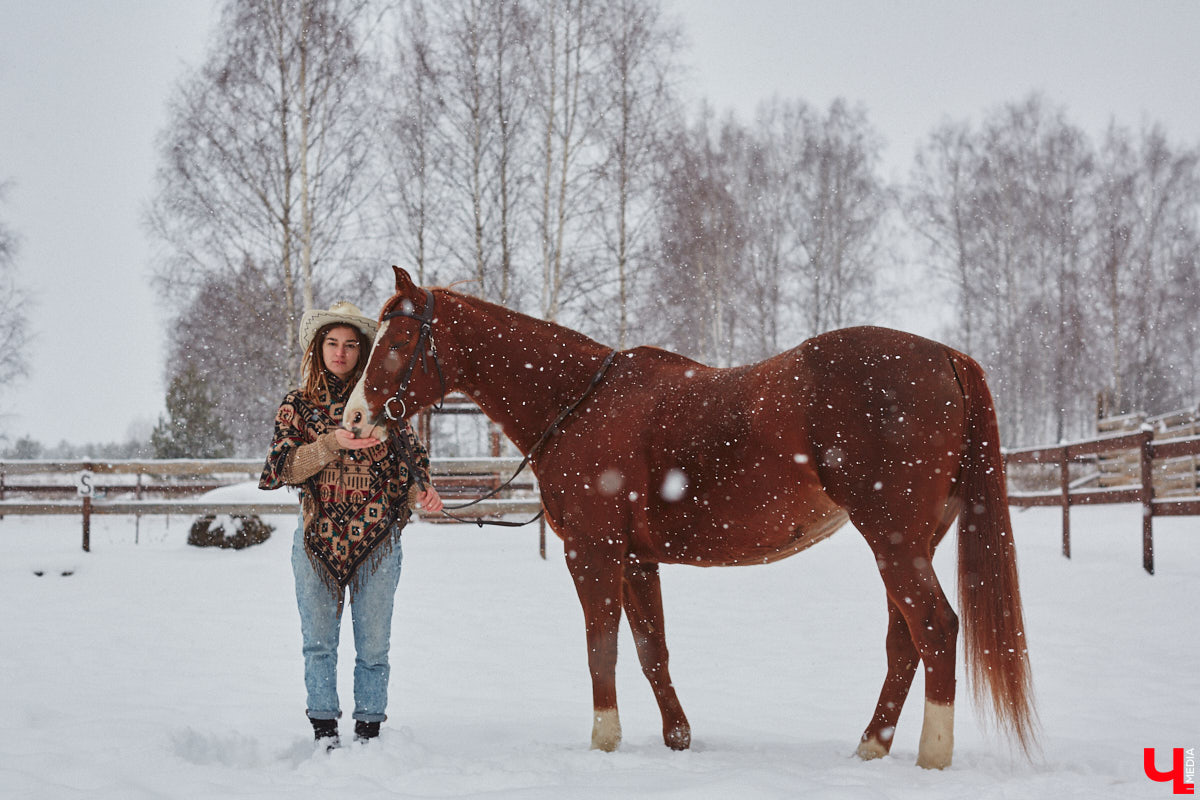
x=326 y=732
x=364 y=731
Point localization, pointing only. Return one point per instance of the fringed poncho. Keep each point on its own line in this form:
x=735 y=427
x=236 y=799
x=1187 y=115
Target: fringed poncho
x=355 y=506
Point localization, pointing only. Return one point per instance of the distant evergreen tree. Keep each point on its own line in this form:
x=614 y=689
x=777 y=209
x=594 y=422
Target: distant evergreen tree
x=25 y=448
x=193 y=428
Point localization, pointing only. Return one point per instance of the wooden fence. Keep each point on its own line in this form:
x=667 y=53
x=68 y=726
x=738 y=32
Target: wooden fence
x=83 y=488
x=1158 y=473
x=1156 y=465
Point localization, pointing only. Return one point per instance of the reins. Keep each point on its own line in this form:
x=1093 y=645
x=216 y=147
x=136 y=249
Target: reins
x=532 y=451
x=425 y=341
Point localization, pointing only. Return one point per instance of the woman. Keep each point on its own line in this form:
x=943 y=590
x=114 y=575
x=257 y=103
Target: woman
x=355 y=496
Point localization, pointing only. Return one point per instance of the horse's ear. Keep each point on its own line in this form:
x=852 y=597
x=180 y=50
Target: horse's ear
x=403 y=281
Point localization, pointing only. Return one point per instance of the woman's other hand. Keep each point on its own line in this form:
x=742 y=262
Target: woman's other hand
x=429 y=501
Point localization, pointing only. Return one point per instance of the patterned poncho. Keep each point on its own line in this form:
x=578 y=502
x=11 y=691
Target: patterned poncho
x=350 y=506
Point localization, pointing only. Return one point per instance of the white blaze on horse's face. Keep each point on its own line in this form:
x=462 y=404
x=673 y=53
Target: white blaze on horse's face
x=359 y=417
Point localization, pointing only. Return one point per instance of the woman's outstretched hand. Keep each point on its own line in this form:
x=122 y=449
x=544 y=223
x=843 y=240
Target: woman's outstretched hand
x=349 y=441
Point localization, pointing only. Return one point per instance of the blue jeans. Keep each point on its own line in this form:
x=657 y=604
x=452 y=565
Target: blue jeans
x=320 y=629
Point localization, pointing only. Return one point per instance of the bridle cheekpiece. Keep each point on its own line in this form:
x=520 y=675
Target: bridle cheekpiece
x=425 y=345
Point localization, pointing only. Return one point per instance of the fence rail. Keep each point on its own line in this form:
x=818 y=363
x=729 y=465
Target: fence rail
x=467 y=478
x=1152 y=459
x=484 y=508
x=220 y=466
x=458 y=479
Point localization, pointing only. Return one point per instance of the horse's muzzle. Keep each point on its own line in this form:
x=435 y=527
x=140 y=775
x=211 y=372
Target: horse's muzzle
x=362 y=424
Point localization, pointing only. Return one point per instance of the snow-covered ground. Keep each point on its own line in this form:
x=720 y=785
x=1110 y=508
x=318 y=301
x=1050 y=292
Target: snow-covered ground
x=157 y=670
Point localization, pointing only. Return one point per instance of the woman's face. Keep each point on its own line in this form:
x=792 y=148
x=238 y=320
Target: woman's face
x=340 y=350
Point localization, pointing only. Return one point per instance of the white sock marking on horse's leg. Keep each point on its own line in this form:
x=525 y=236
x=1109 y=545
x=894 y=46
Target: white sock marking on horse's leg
x=937 y=736
x=606 y=729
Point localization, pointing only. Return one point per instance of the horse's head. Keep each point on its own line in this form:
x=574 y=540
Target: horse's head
x=404 y=372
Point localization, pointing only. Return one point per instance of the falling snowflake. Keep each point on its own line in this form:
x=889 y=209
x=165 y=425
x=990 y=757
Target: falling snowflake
x=674 y=486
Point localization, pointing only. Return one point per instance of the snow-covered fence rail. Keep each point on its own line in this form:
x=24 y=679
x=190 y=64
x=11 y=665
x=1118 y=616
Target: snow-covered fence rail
x=1178 y=476
x=43 y=479
x=153 y=487
x=1151 y=455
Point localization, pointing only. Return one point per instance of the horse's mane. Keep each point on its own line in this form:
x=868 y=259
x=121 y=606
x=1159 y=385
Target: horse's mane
x=498 y=311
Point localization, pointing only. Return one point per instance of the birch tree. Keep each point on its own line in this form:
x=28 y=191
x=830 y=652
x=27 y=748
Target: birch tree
x=637 y=53
x=837 y=218
x=471 y=135
x=1074 y=269
x=941 y=207
x=262 y=158
x=14 y=305
x=1146 y=265
x=1034 y=186
x=564 y=71
x=262 y=169
x=413 y=194
x=701 y=227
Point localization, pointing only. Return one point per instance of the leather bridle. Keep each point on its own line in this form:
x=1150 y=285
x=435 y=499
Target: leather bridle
x=425 y=345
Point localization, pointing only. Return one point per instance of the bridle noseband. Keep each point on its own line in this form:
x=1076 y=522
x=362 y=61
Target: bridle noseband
x=425 y=344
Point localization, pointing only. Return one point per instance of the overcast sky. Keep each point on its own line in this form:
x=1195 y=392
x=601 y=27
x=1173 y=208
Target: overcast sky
x=83 y=85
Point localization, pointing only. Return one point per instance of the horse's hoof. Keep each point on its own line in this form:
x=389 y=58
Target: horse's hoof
x=871 y=749
x=937 y=762
x=607 y=745
x=678 y=738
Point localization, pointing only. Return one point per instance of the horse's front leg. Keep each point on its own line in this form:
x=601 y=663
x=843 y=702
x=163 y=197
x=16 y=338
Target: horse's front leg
x=643 y=608
x=597 y=573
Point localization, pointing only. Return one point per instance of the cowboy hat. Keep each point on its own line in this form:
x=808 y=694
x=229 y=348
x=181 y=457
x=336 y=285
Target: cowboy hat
x=339 y=313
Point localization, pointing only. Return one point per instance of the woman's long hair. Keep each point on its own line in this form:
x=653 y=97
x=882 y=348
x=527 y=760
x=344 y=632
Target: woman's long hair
x=315 y=374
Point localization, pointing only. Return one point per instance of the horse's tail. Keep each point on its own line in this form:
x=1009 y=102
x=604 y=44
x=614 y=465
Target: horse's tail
x=993 y=629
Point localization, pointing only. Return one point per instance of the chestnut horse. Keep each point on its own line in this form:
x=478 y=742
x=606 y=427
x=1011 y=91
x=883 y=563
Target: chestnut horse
x=645 y=457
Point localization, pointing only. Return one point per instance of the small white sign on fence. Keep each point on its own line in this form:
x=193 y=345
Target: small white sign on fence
x=84 y=483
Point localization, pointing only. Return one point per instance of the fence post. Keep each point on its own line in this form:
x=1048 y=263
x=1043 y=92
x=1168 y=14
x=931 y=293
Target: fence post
x=1147 y=501
x=1065 y=479
x=425 y=429
x=87 y=524
x=84 y=489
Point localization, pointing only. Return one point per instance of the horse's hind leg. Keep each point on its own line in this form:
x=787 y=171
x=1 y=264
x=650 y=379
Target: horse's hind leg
x=920 y=621
x=643 y=608
x=902 y=657
x=913 y=589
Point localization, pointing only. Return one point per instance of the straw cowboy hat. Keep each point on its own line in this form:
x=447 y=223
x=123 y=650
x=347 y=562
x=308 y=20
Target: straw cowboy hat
x=343 y=313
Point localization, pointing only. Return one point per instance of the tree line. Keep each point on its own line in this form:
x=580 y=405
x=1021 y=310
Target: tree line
x=1073 y=263
x=545 y=150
